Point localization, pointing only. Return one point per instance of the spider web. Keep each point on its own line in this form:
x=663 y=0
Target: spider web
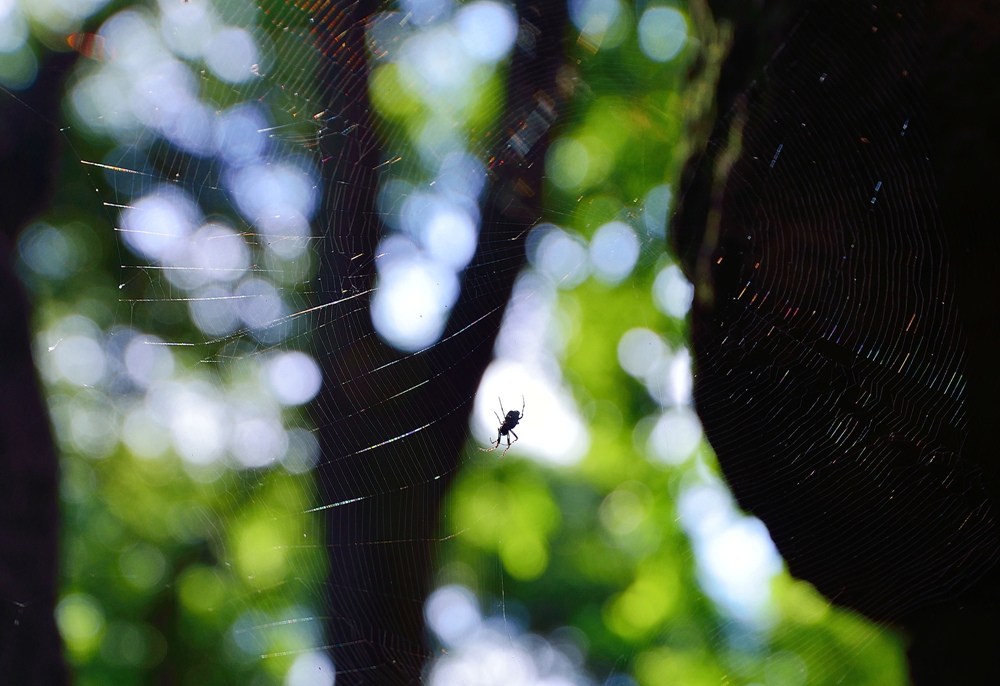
x=265 y=228
x=261 y=197
x=841 y=300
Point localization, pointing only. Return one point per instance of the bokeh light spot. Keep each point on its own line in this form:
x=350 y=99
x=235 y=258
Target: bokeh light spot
x=676 y=436
x=303 y=451
x=156 y=223
x=80 y=360
x=230 y=54
x=614 y=251
x=143 y=565
x=213 y=310
x=424 y=12
x=410 y=307
x=258 y=441
x=311 y=669
x=201 y=590
x=147 y=361
x=567 y=163
x=672 y=292
x=144 y=434
x=260 y=555
x=294 y=378
x=524 y=554
x=656 y=208
x=486 y=29
x=81 y=622
x=662 y=33
x=602 y=23
x=640 y=351
x=452 y=613
x=559 y=255
x=48 y=252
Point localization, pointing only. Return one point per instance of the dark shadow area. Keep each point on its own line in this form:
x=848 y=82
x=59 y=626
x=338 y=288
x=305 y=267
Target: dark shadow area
x=30 y=647
x=838 y=230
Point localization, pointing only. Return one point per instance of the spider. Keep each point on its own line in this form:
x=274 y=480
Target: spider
x=507 y=425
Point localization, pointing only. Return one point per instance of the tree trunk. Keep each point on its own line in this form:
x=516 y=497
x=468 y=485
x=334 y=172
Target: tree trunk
x=838 y=231
x=30 y=647
x=383 y=480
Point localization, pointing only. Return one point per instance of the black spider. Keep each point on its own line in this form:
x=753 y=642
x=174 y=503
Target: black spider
x=507 y=425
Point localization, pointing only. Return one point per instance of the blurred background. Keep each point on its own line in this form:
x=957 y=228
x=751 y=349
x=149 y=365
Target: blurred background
x=253 y=201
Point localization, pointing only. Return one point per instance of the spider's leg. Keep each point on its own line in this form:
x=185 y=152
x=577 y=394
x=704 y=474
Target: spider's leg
x=493 y=446
x=508 y=438
x=501 y=407
x=497 y=416
x=522 y=407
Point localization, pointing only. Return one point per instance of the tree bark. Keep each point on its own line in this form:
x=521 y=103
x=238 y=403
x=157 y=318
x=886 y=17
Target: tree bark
x=30 y=646
x=838 y=230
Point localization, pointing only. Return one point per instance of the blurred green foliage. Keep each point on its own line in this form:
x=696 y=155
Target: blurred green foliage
x=170 y=574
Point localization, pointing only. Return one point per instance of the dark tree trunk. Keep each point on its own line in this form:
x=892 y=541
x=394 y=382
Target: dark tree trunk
x=30 y=647
x=839 y=231
x=384 y=481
